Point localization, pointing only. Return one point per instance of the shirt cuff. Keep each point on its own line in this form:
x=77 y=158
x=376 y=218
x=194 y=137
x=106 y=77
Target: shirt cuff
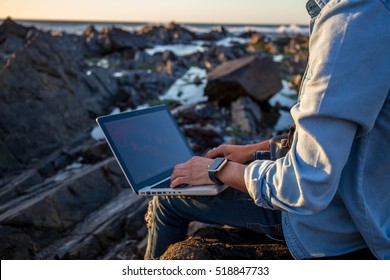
x=255 y=182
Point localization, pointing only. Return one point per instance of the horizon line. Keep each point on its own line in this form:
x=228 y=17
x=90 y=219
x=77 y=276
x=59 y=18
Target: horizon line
x=146 y=22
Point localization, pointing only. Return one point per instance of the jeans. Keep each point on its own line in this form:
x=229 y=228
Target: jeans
x=170 y=216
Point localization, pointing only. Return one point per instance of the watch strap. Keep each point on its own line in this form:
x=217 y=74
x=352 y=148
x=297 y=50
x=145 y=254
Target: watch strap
x=213 y=170
x=214 y=178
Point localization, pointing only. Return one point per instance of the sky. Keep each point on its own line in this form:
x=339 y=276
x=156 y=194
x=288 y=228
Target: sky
x=181 y=11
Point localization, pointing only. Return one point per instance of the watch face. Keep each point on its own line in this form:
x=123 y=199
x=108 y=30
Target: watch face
x=216 y=163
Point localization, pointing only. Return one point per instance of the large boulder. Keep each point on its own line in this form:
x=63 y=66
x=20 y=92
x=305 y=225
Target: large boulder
x=46 y=98
x=227 y=244
x=237 y=244
x=254 y=76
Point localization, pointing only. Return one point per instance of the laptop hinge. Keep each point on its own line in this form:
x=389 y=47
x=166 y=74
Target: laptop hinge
x=158 y=183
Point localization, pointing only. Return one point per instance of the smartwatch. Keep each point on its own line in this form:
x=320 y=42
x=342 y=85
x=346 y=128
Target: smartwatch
x=215 y=167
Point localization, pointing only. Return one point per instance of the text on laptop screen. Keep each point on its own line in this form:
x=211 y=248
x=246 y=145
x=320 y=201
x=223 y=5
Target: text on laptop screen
x=148 y=144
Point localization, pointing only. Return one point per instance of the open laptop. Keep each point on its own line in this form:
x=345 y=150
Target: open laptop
x=147 y=144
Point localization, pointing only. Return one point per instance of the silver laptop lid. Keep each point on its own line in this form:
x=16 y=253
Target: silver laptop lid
x=147 y=144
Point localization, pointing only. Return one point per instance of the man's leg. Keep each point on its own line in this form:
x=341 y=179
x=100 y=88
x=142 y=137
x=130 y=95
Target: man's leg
x=170 y=216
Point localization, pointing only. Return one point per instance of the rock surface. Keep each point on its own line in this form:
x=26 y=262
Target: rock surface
x=227 y=244
x=41 y=86
x=257 y=77
x=211 y=243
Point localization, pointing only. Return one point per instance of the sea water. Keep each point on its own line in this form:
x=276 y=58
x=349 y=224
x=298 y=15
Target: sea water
x=78 y=27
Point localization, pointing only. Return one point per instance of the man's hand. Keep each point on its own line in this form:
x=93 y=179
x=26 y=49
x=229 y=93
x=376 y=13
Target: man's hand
x=236 y=153
x=193 y=172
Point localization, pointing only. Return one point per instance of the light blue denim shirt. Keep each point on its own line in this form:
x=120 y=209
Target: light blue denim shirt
x=333 y=186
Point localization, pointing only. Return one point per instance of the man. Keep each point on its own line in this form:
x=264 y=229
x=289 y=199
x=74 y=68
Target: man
x=330 y=194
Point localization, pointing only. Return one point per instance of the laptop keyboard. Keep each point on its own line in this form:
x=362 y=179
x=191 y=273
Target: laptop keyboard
x=167 y=184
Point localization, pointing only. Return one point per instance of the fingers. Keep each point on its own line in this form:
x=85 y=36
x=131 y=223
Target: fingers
x=192 y=172
x=215 y=152
x=177 y=182
x=180 y=174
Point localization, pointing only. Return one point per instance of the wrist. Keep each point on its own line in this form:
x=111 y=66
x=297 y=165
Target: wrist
x=232 y=175
x=214 y=168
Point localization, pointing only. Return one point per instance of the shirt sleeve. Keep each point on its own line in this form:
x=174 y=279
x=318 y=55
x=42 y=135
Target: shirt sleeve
x=346 y=85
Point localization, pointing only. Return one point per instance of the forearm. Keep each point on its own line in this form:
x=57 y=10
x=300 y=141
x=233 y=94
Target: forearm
x=237 y=153
x=262 y=146
x=233 y=172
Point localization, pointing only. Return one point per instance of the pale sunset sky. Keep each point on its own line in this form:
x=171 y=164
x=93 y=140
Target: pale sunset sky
x=181 y=11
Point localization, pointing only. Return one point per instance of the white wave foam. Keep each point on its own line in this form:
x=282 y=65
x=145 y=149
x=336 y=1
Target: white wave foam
x=185 y=90
x=179 y=50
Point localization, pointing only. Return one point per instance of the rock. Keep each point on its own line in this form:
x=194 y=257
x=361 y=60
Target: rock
x=92 y=40
x=227 y=244
x=170 y=64
x=12 y=38
x=202 y=113
x=40 y=210
x=256 y=39
x=246 y=115
x=202 y=138
x=141 y=60
x=218 y=54
x=44 y=91
x=10 y=28
x=16 y=245
x=9 y=163
x=165 y=35
x=257 y=77
x=50 y=211
x=261 y=42
x=53 y=208
x=101 y=229
x=11 y=44
x=216 y=34
x=168 y=56
x=137 y=87
x=248 y=34
x=205 y=114
x=236 y=244
x=113 y=39
x=117 y=39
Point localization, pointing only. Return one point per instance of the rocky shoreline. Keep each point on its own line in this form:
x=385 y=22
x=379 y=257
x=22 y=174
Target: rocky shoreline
x=62 y=195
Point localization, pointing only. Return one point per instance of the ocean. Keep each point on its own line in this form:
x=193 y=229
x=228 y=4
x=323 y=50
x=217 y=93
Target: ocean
x=78 y=27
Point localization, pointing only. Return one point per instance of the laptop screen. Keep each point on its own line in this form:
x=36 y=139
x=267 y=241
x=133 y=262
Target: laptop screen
x=147 y=143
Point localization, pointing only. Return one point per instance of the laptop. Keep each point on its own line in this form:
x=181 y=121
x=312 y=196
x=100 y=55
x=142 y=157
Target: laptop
x=147 y=144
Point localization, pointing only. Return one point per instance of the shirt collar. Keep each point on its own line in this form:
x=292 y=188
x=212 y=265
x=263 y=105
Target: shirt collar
x=322 y=3
x=314 y=7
